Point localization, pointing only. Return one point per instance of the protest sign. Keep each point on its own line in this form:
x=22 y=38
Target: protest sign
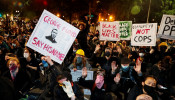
x=144 y=34
x=125 y=30
x=167 y=27
x=52 y=37
x=78 y=73
x=109 y=31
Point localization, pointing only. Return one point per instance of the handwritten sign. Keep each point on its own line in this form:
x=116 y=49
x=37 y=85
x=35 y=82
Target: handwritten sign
x=125 y=30
x=167 y=27
x=52 y=37
x=78 y=73
x=109 y=31
x=144 y=34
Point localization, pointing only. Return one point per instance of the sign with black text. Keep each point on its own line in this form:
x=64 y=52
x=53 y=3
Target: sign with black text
x=167 y=27
x=144 y=34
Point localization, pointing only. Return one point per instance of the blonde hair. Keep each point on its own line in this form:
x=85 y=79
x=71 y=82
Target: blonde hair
x=13 y=59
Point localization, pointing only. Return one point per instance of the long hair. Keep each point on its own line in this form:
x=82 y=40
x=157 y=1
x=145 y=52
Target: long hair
x=83 y=62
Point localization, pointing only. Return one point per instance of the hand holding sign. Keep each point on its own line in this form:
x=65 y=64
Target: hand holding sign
x=84 y=72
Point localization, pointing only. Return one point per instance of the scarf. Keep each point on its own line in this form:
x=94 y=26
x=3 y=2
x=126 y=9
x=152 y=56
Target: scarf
x=13 y=71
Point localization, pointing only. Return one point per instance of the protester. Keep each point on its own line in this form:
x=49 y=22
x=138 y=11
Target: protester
x=80 y=61
x=18 y=76
x=98 y=86
x=148 y=87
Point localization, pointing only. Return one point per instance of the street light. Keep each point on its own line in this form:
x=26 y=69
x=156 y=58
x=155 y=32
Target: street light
x=110 y=18
x=58 y=15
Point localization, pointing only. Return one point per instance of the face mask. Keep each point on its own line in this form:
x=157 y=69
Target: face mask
x=115 y=54
x=125 y=68
x=13 y=44
x=99 y=81
x=79 y=60
x=141 y=54
x=13 y=67
x=26 y=55
x=107 y=54
x=13 y=71
x=74 y=51
x=148 y=89
x=45 y=64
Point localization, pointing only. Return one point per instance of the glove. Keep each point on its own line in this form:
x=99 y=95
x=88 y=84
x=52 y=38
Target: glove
x=68 y=89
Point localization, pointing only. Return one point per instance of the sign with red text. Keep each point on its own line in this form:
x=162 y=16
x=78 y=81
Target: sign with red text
x=167 y=27
x=144 y=34
x=109 y=31
x=52 y=37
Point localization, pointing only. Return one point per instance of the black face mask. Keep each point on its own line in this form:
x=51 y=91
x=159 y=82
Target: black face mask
x=115 y=54
x=107 y=54
x=148 y=89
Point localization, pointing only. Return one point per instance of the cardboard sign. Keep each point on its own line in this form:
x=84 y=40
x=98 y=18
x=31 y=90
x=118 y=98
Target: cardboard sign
x=52 y=37
x=144 y=34
x=77 y=74
x=109 y=31
x=125 y=30
x=167 y=27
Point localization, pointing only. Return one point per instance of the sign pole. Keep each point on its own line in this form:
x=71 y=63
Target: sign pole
x=148 y=12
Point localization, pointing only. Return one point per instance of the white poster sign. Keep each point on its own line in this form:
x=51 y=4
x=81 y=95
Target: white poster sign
x=144 y=34
x=167 y=27
x=109 y=31
x=52 y=37
x=77 y=74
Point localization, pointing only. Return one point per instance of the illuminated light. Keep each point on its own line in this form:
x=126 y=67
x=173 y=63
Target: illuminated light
x=135 y=10
x=63 y=16
x=7 y=14
x=45 y=3
x=14 y=3
x=11 y=17
x=0 y=15
x=58 y=15
x=110 y=17
x=102 y=19
x=20 y=4
x=106 y=19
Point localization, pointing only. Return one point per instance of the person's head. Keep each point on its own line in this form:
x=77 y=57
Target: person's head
x=100 y=77
x=144 y=97
x=123 y=43
x=125 y=64
x=54 y=33
x=13 y=62
x=1 y=39
x=79 y=58
x=26 y=53
x=9 y=55
x=64 y=76
x=61 y=78
x=149 y=84
x=162 y=47
x=141 y=52
x=81 y=26
x=108 y=52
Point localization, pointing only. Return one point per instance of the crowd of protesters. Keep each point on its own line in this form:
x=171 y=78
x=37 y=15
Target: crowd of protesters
x=121 y=71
